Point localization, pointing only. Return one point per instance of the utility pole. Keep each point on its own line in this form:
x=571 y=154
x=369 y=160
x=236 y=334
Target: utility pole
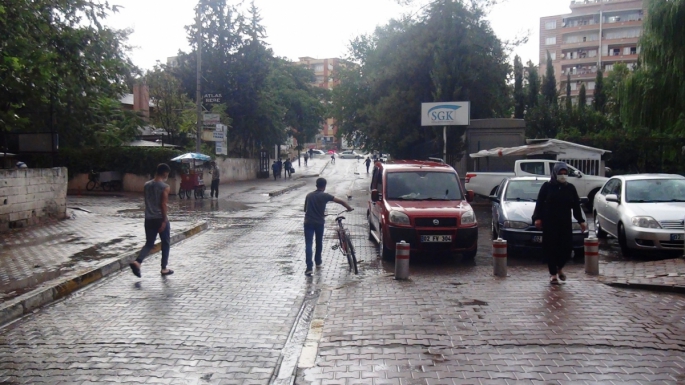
x=444 y=144
x=198 y=93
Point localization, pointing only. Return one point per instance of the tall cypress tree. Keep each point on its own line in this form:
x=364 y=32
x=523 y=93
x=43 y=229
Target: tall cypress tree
x=582 y=98
x=569 y=102
x=549 y=83
x=600 y=97
x=533 y=86
x=519 y=96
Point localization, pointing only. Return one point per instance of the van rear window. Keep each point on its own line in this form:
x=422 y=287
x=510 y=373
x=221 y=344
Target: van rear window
x=422 y=185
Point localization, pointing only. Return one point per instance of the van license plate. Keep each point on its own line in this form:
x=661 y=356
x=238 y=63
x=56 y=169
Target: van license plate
x=537 y=238
x=677 y=237
x=436 y=238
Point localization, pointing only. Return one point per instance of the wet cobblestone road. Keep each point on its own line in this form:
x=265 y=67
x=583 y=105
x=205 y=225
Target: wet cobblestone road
x=238 y=308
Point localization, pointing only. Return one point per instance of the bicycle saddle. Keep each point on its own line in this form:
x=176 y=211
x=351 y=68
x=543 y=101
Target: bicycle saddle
x=339 y=218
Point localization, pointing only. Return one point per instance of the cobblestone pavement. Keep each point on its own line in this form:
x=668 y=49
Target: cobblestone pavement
x=233 y=313
x=101 y=228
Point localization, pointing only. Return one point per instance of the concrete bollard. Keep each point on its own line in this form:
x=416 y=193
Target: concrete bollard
x=402 y=260
x=591 y=246
x=499 y=257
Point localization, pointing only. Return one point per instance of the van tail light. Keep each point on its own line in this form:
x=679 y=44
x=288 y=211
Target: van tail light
x=469 y=176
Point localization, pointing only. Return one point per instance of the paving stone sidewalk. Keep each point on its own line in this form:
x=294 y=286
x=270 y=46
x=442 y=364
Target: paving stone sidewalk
x=666 y=274
x=102 y=227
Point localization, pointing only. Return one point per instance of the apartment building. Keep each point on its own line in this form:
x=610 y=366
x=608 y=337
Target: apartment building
x=324 y=70
x=596 y=34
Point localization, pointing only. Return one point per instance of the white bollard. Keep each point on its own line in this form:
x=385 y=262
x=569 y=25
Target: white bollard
x=499 y=257
x=402 y=260
x=591 y=246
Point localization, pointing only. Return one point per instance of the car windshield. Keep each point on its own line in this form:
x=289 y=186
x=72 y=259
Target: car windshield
x=523 y=190
x=655 y=190
x=423 y=185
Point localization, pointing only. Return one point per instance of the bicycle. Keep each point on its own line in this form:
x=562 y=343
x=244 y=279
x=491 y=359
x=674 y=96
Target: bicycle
x=95 y=182
x=345 y=243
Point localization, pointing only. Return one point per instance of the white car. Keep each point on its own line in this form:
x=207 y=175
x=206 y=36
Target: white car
x=314 y=153
x=644 y=211
x=349 y=154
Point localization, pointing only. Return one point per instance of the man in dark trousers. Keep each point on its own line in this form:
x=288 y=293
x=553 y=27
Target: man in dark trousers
x=279 y=162
x=306 y=158
x=215 y=180
x=556 y=200
x=314 y=221
x=156 y=219
x=274 y=168
x=368 y=163
x=288 y=166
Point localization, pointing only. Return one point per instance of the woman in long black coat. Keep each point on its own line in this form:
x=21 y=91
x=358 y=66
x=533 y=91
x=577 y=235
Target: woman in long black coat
x=552 y=214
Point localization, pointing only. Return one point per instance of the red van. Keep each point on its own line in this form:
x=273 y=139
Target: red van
x=424 y=204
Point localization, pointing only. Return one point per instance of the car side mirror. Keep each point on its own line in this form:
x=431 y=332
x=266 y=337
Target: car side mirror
x=494 y=198
x=613 y=198
x=375 y=197
x=470 y=196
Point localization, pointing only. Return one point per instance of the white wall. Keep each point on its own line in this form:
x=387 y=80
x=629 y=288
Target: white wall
x=31 y=194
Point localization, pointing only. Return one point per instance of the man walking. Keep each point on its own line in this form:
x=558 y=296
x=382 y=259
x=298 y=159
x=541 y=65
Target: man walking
x=288 y=166
x=156 y=219
x=368 y=163
x=306 y=158
x=215 y=180
x=274 y=168
x=314 y=220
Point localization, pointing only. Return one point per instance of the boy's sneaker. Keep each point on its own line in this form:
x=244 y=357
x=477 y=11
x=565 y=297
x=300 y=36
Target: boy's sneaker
x=308 y=272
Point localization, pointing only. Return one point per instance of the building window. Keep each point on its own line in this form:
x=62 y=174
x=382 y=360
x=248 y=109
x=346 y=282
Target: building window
x=553 y=55
x=551 y=25
x=574 y=86
x=318 y=68
x=590 y=85
x=319 y=79
x=609 y=68
x=551 y=40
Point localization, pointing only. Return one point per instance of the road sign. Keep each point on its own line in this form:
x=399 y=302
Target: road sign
x=212 y=119
x=446 y=114
x=212 y=98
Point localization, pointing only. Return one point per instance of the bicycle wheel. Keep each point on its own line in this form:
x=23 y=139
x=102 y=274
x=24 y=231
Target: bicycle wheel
x=106 y=186
x=91 y=185
x=188 y=192
x=181 y=193
x=351 y=256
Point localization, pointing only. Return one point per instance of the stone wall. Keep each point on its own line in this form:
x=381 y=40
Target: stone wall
x=29 y=195
x=232 y=169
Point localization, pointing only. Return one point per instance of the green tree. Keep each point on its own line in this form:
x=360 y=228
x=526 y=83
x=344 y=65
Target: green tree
x=614 y=81
x=63 y=71
x=447 y=53
x=582 y=98
x=653 y=96
x=533 y=86
x=519 y=96
x=599 y=99
x=174 y=110
x=549 y=84
x=569 y=101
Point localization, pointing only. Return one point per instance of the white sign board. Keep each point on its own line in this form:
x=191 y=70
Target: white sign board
x=211 y=119
x=446 y=114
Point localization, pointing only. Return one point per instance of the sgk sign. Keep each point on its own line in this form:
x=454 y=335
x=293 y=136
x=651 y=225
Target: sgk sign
x=446 y=114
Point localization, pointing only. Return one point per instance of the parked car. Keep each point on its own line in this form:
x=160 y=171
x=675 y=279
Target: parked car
x=513 y=205
x=423 y=204
x=644 y=211
x=349 y=154
x=485 y=183
x=318 y=153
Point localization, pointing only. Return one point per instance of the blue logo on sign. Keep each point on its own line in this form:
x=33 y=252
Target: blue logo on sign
x=443 y=113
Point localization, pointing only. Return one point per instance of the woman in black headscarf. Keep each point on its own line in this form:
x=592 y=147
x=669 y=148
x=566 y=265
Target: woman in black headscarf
x=552 y=214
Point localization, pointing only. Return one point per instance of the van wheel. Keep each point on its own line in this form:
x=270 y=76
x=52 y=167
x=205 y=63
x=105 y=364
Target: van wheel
x=579 y=254
x=470 y=255
x=383 y=251
x=590 y=205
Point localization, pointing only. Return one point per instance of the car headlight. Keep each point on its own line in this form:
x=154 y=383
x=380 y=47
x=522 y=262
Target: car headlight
x=468 y=218
x=515 y=225
x=647 y=222
x=399 y=218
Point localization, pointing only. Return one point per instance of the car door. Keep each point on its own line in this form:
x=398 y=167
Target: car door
x=377 y=207
x=601 y=202
x=497 y=207
x=611 y=213
x=532 y=168
x=577 y=180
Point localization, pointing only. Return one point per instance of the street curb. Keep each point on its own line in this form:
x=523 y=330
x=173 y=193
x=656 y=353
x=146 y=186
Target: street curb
x=310 y=350
x=285 y=190
x=26 y=303
x=648 y=287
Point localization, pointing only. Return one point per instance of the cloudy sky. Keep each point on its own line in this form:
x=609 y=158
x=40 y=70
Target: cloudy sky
x=310 y=27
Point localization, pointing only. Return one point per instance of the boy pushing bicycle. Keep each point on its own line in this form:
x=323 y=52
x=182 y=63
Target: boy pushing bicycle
x=314 y=220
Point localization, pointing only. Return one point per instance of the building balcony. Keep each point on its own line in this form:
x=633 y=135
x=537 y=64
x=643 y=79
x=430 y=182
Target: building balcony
x=581 y=76
x=621 y=42
x=590 y=3
x=619 y=58
x=583 y=44
x=581 y=28
x=585 y=60
x=621 y=24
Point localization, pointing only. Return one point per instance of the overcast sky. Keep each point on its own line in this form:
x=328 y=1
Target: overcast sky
x=313 y=28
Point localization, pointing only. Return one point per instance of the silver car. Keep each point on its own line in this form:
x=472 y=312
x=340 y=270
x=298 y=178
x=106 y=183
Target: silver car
x=644 y=211
x=512 y=211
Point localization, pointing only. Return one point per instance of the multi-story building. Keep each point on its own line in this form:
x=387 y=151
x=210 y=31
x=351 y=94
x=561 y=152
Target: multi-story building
x=596 y=34
x=323 y=70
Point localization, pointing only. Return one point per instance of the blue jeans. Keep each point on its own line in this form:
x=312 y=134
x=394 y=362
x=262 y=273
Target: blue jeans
x=309 y=231
x=151 y=230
